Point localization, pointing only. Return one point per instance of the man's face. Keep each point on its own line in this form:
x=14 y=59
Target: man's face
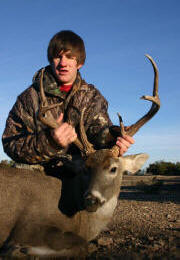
x=65 y=68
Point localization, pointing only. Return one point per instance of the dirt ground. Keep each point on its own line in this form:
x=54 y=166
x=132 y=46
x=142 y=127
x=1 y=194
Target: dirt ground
x=144 y=225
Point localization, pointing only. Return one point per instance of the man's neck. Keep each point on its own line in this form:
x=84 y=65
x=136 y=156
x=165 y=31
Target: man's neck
x=65 y=88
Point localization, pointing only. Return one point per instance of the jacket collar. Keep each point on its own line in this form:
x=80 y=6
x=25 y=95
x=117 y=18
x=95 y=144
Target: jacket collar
x=50 y=84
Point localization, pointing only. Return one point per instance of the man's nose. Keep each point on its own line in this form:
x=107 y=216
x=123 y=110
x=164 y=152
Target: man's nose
x=63 y=61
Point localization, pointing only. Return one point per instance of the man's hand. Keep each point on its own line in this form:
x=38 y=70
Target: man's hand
x=65 y=134
x=124 y=143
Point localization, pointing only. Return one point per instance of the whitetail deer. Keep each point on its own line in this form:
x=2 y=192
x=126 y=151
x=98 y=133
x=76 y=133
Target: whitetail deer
x=31 y=222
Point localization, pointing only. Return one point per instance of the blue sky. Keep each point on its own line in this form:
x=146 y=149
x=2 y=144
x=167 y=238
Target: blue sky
x=117 y=34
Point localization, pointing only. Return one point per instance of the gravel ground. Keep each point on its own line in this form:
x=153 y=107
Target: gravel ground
x=144 y=226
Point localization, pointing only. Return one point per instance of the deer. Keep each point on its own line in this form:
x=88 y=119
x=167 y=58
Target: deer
x=31 y=220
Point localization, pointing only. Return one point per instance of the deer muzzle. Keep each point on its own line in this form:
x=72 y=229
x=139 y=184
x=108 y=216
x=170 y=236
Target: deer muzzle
x=92 y=203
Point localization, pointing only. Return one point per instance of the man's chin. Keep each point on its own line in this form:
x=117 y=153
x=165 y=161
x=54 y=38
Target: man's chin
x=62 y=80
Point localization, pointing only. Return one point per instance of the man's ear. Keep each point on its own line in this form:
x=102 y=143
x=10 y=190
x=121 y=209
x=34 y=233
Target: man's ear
x=134 y=162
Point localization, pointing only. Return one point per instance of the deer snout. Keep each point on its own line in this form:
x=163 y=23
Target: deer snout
x=93 y=201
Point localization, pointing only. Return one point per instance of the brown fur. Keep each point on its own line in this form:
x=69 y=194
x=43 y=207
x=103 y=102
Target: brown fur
x=30 y=213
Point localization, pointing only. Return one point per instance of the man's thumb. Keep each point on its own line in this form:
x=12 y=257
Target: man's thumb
x=60 y=118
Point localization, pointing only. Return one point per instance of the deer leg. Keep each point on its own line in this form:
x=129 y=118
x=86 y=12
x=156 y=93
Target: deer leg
x=52 y=242
x=58 y=244
x=11 y=250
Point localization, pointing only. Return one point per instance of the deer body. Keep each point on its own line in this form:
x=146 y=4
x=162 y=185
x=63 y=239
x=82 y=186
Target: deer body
x=33 y=200
x=30 y=214
x=29 y=210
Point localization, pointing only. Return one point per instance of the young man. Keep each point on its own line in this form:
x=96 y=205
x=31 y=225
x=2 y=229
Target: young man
x=27 y=140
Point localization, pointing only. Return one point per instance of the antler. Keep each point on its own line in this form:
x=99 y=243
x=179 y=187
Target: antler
x=46 y=117
x=88 y=147
x=153 y=110
x=44 y=114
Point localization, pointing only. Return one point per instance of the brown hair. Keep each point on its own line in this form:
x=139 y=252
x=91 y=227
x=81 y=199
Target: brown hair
x=67 y=41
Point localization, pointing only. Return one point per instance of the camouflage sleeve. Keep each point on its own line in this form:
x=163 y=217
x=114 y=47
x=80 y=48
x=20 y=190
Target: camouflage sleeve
x=22 y=139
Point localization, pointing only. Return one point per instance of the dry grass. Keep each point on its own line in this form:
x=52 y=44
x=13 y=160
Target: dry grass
x=145 y=225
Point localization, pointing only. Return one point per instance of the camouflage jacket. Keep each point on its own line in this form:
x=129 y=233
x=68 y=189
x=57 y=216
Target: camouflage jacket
x=27 y=140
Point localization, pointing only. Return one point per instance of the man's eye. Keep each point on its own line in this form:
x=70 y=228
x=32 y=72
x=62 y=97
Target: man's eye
x=70 y=56
x=57 y=58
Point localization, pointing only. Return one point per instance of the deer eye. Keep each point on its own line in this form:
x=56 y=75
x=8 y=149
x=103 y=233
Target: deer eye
x=113 y=170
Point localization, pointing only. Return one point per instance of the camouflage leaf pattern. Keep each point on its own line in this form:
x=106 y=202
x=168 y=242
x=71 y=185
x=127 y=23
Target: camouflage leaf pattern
x=26 y=140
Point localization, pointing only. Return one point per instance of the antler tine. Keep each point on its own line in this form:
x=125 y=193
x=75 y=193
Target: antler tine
x=154 y=99
x=45 y=115
x=87 y=145
x=153 y=110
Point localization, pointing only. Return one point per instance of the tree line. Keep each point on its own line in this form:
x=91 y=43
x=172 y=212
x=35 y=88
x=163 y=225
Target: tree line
x=6 y=163
x=164 y=168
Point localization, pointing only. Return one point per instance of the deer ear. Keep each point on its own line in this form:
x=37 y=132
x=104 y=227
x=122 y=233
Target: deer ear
x=134 y=162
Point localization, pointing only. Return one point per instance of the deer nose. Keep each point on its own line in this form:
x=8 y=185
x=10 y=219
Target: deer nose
x=91 y=202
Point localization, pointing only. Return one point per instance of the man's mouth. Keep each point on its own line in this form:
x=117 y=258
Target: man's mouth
x=63 y=71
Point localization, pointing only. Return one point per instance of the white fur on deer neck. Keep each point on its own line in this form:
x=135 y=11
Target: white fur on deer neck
x=91 y=224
